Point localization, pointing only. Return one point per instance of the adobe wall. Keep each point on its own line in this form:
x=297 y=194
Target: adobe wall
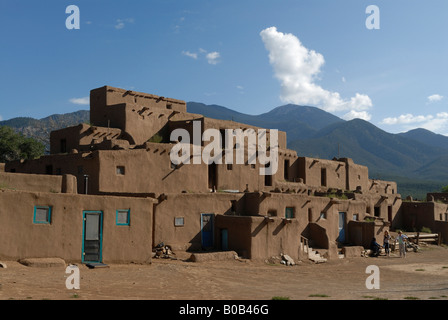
x=82 y=137
x=383 y=206
x=76 y=164
x=416 y=215
x=103 y=97
x=311 y=168
x=239 y=234
x=273 y=237
x=357 y=175
x=22 y=238
x=382 y=187
x=139 y=115
x=190 y=206
x=442 y=228
x=149 y=170
x=210 y=123
x=31 y=182
x=322 y=211
x=437 y=196
x=361 y=232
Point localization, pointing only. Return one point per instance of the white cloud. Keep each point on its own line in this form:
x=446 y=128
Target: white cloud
x=406 y=119
x=436 y=123
x=352 y=114
x=190 y=54
x=343 y=79
x=297 y=68
x=121 y=23
x=435 y=98
x=1 y=118
x=212 y=57
x=80 y=101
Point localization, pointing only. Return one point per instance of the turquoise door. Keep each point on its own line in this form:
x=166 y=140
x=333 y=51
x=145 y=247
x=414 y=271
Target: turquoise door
x=341 y=237
x=207 y=230
x=92 y=234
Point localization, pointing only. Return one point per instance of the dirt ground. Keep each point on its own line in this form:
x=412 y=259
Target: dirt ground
x=421 y=275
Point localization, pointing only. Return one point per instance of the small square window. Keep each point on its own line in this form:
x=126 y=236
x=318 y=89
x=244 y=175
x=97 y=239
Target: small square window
x=42 y=215
x=356 y=217
x=179 y=221
x=120 y=170
x=123 y=217
x=289 y=213
x=229 y=167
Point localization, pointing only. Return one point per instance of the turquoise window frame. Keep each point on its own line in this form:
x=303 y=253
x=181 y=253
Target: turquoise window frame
x=128 y=211
x=290 y=212
x=49 y=214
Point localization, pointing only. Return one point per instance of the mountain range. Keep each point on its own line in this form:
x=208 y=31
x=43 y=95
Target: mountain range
x=416 y=160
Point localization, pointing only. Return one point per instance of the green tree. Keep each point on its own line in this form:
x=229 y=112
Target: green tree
x=445 y=189
x=14 y=146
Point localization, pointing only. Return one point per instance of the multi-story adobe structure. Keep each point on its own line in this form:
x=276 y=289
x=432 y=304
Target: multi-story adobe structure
x=124 y=155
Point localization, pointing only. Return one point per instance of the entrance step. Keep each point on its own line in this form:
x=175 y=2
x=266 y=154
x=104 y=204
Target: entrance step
x=314 y=256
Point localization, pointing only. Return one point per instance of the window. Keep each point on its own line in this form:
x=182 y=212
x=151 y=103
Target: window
x=179 y=221
x=272 y=213
x=268 y=177
x=63 y=145
x=323 y=177
x=289 y=213
x=120 y=170
x=377 y=212
x=42 y=215
x=123 y=217
x=356 y=217
x=49 y=169
x=229 y=167
x=286 y=170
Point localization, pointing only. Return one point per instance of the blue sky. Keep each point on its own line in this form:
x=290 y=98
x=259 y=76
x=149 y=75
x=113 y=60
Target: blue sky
x=247 y=55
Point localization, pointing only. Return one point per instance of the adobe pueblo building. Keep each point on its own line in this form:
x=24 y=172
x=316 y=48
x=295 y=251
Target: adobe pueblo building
x=109 y=192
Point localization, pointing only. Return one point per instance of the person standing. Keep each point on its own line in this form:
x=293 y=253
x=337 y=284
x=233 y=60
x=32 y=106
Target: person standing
x=386 y=242
x=402 y=244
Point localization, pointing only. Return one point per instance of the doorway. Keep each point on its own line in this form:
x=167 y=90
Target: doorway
x=224 y=240
x=212 y=176
x=207 y=236
x=92 y=236
x=341 y=237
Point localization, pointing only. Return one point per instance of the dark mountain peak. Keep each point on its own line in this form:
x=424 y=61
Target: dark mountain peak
x=427 y=137
x=419 y=130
